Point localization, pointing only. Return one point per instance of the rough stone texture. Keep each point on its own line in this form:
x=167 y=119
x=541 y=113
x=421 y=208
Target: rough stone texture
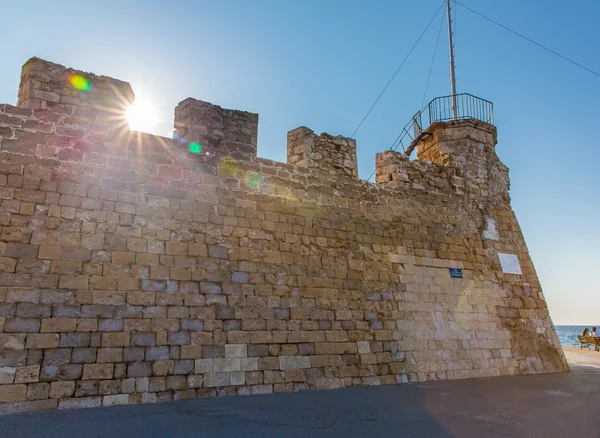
x=216 y=129
x=336 y=155
x=135 y=271
x=46 y=86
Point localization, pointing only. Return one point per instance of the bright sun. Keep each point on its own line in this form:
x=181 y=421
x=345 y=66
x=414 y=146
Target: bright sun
x=142 y=116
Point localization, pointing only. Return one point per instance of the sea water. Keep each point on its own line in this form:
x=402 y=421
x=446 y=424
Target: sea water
x=567 y=334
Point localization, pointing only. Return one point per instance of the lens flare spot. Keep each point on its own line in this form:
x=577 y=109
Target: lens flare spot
x=79 y=82
x=228 y=167
x=178 y=138
x=195 y=148
x=253 y=180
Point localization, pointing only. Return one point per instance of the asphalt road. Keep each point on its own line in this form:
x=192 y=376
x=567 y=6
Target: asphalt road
x=548 y=405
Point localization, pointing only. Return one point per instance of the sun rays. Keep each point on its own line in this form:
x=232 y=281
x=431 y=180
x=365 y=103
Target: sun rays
x=128 y=124
x=142 y=115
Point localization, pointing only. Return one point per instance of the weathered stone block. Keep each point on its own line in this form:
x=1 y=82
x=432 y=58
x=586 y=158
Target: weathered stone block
x=20 y=251
x=21 y=325
x=363 y=347
x=157 y=353
x=213 y=351
x=106 y=387
x=79 y=403
x=203 y=366
x=42 y=340
x=218 y=252
x=192 y=325
x=184 y=367
x=178 y=338
x=281 y=313
x=116 y=339
x=69 y=372
x=74 y=340
x=224 y=365
x=191 y=352
x=197 y=249
x=216 y=379
x=27 y=374
x=14 y=341
x=163 y=367
x=143 y=339
x=86 y=388
x=7 y=375
x=110 y=325
x=154 y=285
x=109 y=355
x=210 y=288
x=115 y=400
x=83 y=355
x=58 y=356
x=291 y=362
x=261 y=389
x=249 y=363
x=12 y=393
x=258 y=350
x=98 y=371
x=38 y=391
x=134 y=354
x=236 y=350
x=58 y=325
x=176 y=382
x=28 y=406
x=232 y=325
x=62 y=389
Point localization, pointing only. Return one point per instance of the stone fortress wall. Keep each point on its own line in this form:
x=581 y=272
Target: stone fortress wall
x=137 y=269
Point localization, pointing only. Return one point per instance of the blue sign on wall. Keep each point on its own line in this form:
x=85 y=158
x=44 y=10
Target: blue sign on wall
x=455 y=273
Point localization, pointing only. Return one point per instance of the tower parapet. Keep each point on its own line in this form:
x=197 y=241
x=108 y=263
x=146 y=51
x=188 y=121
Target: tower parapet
x=49 y=86
x=221 y=130
x=395 y=169
x=335 y=155
x=468 y=147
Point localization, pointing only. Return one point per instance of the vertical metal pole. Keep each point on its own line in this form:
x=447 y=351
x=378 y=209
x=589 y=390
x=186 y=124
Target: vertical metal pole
x=452 y=75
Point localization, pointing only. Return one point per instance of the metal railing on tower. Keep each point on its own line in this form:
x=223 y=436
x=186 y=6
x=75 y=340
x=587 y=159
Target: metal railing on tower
x=440 y=109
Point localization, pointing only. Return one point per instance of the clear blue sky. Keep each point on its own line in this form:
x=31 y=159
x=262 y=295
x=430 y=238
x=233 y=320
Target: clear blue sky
x=322 y=63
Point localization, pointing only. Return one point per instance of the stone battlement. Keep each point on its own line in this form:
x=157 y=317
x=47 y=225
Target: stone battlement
x=136 y=268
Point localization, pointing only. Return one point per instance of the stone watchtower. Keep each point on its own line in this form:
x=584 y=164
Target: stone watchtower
x=467 y=146
x=457 y=160
x=463 y=150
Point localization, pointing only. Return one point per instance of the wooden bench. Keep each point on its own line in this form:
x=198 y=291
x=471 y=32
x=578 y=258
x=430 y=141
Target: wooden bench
x=588 y=341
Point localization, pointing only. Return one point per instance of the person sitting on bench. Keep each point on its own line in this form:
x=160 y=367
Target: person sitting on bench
x=585 y=332
x=594 y=335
